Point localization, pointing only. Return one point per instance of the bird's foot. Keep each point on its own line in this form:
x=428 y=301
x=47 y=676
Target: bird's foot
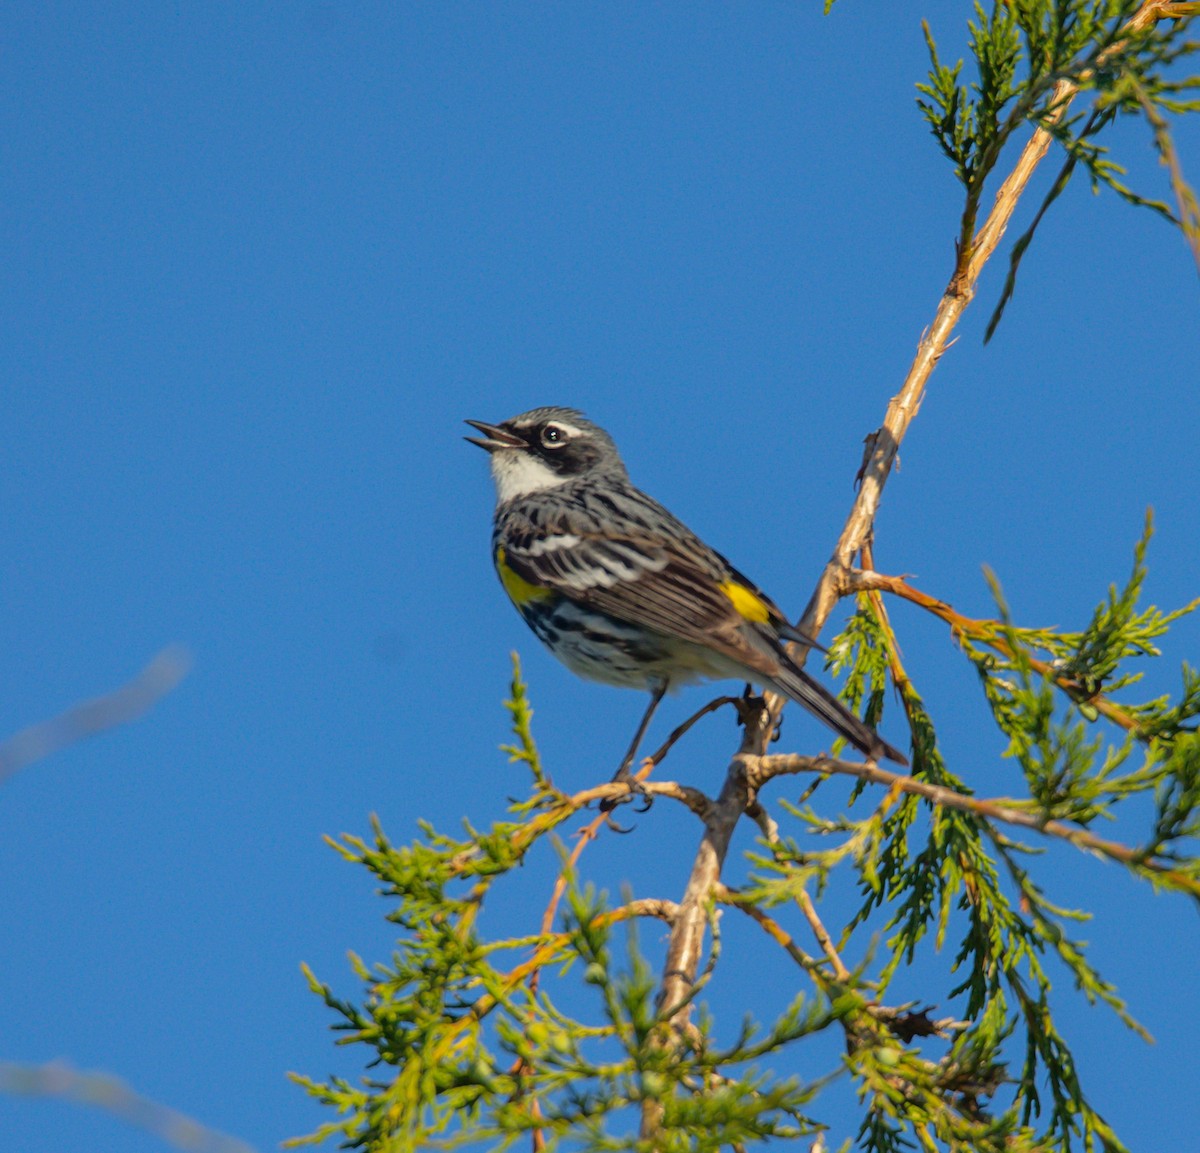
x=749 y=705
x=636 y=790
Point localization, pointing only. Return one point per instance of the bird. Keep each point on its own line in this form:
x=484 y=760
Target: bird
x=622 y=591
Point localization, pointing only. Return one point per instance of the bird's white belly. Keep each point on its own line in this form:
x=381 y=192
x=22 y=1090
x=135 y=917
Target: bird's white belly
x=600 y=648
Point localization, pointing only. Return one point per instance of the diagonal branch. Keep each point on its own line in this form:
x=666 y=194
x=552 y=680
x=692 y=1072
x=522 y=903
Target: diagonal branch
x=687 y=933
x=86 y=719
x=958 y=294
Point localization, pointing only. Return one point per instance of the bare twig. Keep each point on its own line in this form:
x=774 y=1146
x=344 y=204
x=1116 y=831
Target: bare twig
x=103 y=1090
x=768 y=924
x=694 y=799
x=822 y=935
x=88 y=718
x=656 y=758
x=586 y=836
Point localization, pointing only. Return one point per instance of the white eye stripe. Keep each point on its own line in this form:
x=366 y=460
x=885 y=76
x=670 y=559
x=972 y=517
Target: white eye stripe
x=556 y=435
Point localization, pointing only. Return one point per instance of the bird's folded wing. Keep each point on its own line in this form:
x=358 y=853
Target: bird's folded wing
x=675 y=586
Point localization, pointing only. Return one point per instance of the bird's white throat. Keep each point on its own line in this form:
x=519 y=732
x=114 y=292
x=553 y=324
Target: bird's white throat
x=518 y=473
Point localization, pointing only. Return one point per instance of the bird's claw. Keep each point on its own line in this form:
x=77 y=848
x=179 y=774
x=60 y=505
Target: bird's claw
x=636 y=790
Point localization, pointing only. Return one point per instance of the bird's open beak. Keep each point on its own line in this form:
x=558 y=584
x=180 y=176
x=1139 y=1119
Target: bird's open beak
x=493 y=437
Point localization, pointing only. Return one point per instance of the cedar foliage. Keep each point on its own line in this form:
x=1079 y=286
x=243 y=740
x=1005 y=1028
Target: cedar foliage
x=563 y=1036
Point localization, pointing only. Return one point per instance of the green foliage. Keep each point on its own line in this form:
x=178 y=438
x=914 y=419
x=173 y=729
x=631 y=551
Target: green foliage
x=558 y=1036
x=1025 y=672
x=934 y=872
x=480 y=1049
x=1030 y=58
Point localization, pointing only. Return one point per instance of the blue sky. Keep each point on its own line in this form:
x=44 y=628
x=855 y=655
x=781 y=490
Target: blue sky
x=259 y=263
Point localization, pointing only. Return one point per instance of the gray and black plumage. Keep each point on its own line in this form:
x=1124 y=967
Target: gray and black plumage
x=622 y=591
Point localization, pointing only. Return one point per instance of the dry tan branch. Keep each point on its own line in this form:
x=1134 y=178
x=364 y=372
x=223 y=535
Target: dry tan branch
x=768 y=924
x=757 y=770
x=745 y=772
x=694 y=799
x=990 y=633
x=959 y=293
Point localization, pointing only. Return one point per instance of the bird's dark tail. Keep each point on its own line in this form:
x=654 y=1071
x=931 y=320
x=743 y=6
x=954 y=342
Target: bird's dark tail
x=796 y=683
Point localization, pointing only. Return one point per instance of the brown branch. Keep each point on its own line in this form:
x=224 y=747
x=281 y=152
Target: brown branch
x=822 y=935
x=694 y=799
x=586 y=835
x=687 y=933
x=895 y=667
x=656 y=758
x=990 y=633
x=757 y=770
x=769 y=925
x=958 y=295
x=687 y=937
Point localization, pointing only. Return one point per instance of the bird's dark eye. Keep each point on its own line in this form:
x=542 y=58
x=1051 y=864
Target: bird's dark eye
x=554 y=436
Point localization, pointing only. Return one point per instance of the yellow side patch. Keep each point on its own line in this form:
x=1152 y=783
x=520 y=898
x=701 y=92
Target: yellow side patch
x=749 y=605
x=520 y=591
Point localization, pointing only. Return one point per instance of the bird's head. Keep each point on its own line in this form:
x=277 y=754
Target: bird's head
x=543 y=448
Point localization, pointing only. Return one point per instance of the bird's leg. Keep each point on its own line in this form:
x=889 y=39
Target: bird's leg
x=623 y=774
x=748 y=704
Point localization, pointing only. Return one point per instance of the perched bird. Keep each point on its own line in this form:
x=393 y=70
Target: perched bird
x=623 y=592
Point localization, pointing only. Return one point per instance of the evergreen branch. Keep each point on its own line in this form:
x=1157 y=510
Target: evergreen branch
x=426 y=1010
x=957 y=296
x=760 y=769
x=522 y=716
x=687 y=934
x=1026 y=238
x=1002 y=639
x=1187 y=205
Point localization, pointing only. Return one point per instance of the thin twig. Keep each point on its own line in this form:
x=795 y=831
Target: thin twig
x=822 y=934
x=585 y=836
x=656 y=758
x=694 y=799
x=104 y=1091
x=760 y=769
x=88 y=718
x=768 y=924
x=989 y=632
x=895 y=668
